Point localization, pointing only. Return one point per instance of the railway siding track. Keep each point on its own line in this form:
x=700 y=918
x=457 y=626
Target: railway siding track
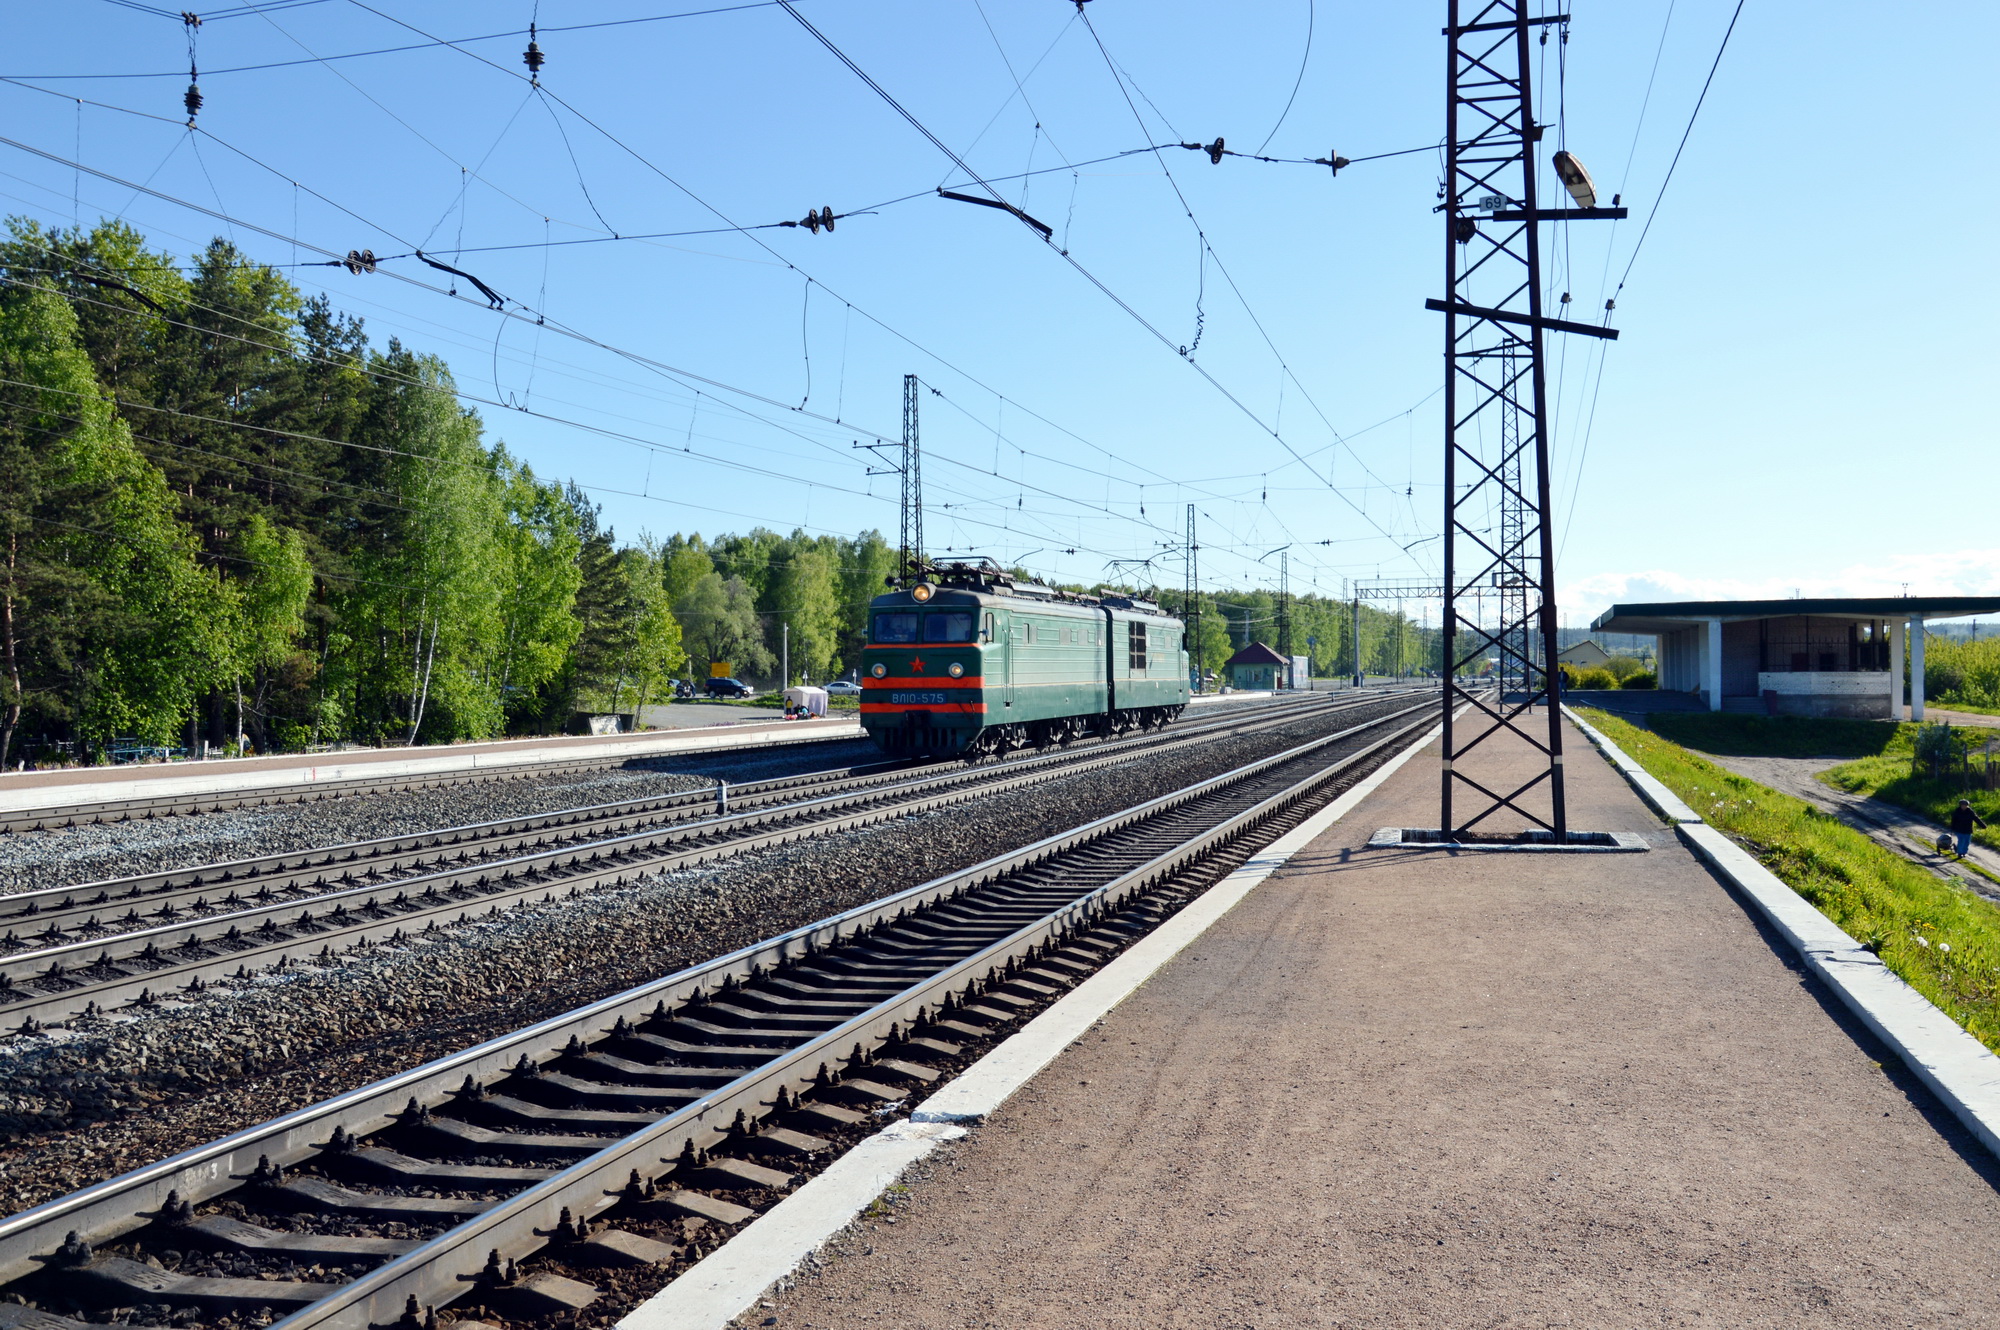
x=43 y=916
x=688 y=1099
x=57 y=816
x=94 y=972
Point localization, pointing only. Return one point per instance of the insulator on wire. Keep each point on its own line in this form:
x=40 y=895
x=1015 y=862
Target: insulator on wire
x=359 y=261
x=533 y=58
x=192 y=99
x=1214 y=151
x=815 y=220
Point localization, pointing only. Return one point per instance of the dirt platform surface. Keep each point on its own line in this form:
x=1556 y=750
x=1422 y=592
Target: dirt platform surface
x=1425 y=1088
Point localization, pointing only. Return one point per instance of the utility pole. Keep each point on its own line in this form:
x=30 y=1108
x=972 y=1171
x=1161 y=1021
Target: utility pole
x=913 y=483
x=1285 y=606
x=1191 y=599
x=1358 y=676
x=910 y=551
x=1496 y=442
x=785 y=658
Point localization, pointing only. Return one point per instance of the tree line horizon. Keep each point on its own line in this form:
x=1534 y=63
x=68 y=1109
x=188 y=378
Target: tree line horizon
x=227 y=512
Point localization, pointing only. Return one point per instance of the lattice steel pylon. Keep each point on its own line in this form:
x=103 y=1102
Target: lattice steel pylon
x=913 y=484
x=1191 y=600
x=1496 y=474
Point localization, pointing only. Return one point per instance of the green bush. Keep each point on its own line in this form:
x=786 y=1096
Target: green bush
x=1643 y=679
x=1595 y=677
x=1624 y=667
x=1963 y=673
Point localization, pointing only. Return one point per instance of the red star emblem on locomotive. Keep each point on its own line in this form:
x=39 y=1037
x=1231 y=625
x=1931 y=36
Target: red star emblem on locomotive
x=916 y=664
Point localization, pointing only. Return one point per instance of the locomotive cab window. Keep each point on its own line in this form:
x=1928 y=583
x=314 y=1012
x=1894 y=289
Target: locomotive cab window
x=949 y=626
x=1135 y=645
x=986 y=631
x=895 y=628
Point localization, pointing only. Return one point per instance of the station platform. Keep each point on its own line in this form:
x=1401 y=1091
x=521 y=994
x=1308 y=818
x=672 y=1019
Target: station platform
x=1438 y=1088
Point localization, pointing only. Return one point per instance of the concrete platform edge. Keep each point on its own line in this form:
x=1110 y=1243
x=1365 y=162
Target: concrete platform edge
x=1657 y=796
x=1962 y=1072
x=721 y=1286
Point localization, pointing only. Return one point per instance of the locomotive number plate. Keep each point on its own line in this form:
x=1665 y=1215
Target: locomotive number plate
x=918 y=699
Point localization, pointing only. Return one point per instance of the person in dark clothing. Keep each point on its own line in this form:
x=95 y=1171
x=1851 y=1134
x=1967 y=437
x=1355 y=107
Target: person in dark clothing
x=1963 y=820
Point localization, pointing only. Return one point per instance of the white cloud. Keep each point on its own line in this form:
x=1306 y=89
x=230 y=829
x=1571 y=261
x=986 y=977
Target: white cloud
x=1955 y=573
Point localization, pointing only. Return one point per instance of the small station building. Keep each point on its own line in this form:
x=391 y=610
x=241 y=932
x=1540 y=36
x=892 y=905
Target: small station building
x=1584 y=655
x=1256 y=666
x=1817 y=657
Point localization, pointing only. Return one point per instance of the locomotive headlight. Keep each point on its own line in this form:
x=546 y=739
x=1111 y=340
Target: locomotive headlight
x=920 y=593
x=879 y=669
x=955 y=669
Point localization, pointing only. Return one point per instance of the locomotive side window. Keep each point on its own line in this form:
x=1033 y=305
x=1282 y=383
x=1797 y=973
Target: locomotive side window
x=1135 y=645
x=949 y=626
x=895 y=628
x=986 y=633
x=1031 y=634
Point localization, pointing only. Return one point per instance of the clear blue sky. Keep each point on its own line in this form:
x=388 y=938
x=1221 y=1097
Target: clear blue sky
x=1794 y=402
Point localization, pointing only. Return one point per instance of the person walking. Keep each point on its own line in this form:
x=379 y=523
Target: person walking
x=1963 y=820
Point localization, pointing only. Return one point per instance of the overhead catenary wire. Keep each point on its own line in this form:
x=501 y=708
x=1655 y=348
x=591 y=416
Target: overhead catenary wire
x=1120 y=301
x=730 y=387
x=732 y=226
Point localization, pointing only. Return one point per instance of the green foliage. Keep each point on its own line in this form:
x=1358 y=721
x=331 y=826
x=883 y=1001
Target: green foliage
x=1624 y=667
x=1903 y=774
x=1594 y=677
x=1961 y=672
x=1943 y=940
x=108 y=625
x=1643 y=679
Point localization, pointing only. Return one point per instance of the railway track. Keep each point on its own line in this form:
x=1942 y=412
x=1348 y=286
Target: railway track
x=95 y=948
x=55 y=816
x=634 y=1132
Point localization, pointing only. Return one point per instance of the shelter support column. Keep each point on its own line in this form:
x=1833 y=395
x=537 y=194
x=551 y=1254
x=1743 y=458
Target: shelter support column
x=1713 y=631
x=1895 y=669
x=1916 y=667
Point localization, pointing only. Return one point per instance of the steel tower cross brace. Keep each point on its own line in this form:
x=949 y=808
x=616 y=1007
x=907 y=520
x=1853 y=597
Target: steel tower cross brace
x=1496 y=473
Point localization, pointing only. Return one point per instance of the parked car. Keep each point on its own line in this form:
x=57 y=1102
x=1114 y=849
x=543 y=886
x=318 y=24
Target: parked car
x=729 y=688
x=684 y=688
x=843 y=688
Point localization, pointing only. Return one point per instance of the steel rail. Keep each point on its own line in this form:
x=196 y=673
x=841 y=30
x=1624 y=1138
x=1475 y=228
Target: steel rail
x=51 y=911
x=146 y=808
x=284 y=872
x=437 y=1271
x=59 y=982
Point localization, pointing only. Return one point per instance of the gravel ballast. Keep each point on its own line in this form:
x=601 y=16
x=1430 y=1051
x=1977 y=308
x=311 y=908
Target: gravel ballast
x=31 y=860
x=80 y=1106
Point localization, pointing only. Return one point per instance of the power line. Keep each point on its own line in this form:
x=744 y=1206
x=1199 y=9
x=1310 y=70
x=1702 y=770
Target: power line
x=1073 y=262
x=672 y=371
x=385 y=50
x=1682 y=147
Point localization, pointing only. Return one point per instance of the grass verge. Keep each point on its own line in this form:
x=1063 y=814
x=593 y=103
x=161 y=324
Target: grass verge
x=1890 y=778
x=1883 y=751
x=1941 y=939
x=1734 y=735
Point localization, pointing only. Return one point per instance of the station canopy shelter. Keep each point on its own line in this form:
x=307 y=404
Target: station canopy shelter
x=1801 y=657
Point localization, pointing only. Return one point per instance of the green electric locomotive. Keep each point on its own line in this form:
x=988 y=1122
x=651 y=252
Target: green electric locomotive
x=968 y=662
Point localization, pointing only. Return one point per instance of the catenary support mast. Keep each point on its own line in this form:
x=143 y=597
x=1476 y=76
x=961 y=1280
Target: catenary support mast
x=1496 y=414
x=913 y=484
x=1191 y=600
